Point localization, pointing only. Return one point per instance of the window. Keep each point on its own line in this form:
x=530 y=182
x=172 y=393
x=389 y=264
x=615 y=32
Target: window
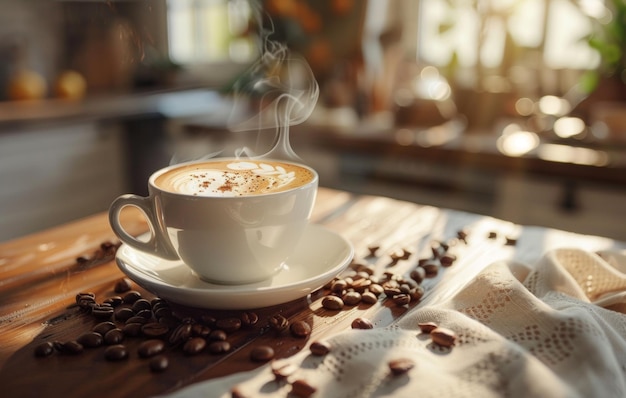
x=210 y=31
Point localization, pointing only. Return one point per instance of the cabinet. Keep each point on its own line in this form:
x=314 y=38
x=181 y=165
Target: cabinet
x=51 y=175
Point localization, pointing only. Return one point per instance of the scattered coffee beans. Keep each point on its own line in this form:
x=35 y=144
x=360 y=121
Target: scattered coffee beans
x=320 y=348
x=400 y=366
x=443 y=336
x=300 y=329
x=150 y=348
x=114 y=336
x=351 y=298
x=116 y=352
x=427 y=327
x=248 y=319
x=369 y=298
x=362 y=323
x=219 y=347
x=278 y=323
x=333 y=303
x=302 y=388
x=262 y=353
x=90 y=340
x=159 y=363
x=401 y=299
x=228 y=325
x=154 y=329
x=194 y=345
x=44 y=349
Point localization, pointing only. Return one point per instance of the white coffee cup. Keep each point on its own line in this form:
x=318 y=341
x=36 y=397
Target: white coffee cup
x=232 y=221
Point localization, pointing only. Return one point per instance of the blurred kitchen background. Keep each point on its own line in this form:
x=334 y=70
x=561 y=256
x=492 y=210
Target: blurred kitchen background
x=509 y=108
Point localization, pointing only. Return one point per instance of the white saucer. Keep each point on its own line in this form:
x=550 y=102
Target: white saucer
x=321 y=255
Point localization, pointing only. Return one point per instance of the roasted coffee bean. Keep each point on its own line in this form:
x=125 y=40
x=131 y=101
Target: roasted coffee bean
x=147 y=314
x=416 y=293
x=391 y=288
x=90 y=340
x=141 y=304
x=137 y=319
x=194 y=345
x=159 y=363
x=81 y=260
x=44 y=349
x=278 y=323
x=351 y=298
x=114 y=336
x=158 y=302
x=262 y=353
x=404 y=288
x=427 y=327
x=281 y=372
x=362 y=323
x=103 y=327
x=71 y=347
x=114 y=301
x=376 y=289
x=161 y=312
x=85 y=296
x=150 y=348
x=123 y=285
x=443 y=336
x=338 y=286
x=333 y=303
x=401 y=299
x=219 y=347
x=131 y=296
x=199 y=330
x=154 y=329
x=369 y=298
x=431 y=268
x=418 y=274
x=361 y=285
x=123 y=314
x=373 y=249
x=301 y=388
x=248 y=319
x=102 y=311
x=116 y=352
x=462 y=235
x=132 y=329
x=400 y=366
x=320 y=348
x=228 y=325
x=217 y=335
x=180 y=334
x=447 y=259
x=86 y=303
x=300 y=329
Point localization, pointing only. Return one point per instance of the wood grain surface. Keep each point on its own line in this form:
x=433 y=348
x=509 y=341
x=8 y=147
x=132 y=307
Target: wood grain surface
x=41 y=274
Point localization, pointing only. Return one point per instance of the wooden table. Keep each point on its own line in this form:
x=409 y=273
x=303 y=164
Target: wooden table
x=41 y=274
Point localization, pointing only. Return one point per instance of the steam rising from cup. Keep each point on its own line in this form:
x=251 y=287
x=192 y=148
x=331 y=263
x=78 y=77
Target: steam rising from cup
x=277 y=92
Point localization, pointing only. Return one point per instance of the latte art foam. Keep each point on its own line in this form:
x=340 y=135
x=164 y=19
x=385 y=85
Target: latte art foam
x=233 y=178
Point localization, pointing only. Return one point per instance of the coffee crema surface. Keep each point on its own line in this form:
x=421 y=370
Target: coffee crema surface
x=229 y=178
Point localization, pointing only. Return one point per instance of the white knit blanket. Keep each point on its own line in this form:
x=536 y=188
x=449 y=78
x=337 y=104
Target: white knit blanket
x=555 y=330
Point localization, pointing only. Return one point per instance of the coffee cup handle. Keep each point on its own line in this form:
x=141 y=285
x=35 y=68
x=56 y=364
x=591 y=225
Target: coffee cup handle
x=158 y=244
